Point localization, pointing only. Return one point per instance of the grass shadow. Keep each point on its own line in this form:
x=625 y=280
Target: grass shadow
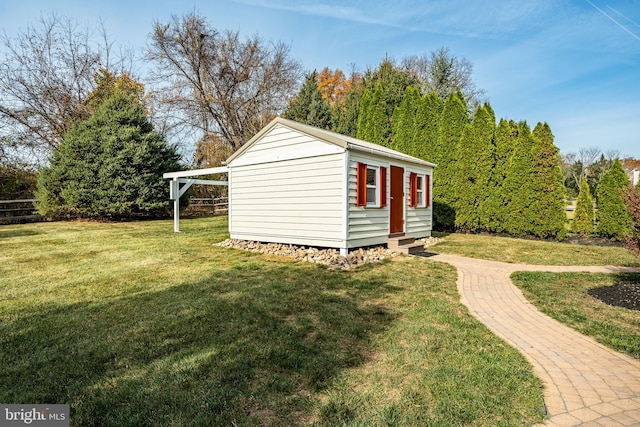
x=250 y=355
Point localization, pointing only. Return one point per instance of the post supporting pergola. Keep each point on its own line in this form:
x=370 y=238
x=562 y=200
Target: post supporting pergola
x=180 y=183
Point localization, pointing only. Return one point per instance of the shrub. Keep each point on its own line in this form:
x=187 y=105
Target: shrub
x=632 y=201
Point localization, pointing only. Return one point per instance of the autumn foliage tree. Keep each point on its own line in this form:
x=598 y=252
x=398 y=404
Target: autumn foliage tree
x=106 y=83
x=333 y=85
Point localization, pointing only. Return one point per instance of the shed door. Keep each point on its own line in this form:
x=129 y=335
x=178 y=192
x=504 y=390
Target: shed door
x=396 y=216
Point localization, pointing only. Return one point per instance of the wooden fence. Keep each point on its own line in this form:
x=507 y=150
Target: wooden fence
x=18 y=211
x=207 y=206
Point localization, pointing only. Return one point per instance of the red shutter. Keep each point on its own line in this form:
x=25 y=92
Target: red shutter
x=383 y=186
x=413 y=187
x=361 y=184
x=427 y=190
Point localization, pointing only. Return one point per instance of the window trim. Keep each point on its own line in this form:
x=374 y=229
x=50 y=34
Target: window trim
x=420 y=190
x=425 y=190
x=362 y=188
x=376 y=187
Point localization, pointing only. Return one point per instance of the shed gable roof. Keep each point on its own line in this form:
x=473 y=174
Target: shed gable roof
x=343 y=141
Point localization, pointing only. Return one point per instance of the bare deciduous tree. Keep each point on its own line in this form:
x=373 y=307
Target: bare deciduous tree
x=218 y=83
x=44 y=80
x=46 y=74
x=581 y=162
x=445 y=73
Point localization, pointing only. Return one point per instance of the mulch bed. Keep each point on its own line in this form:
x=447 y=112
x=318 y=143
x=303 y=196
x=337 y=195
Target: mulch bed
x=625 y=295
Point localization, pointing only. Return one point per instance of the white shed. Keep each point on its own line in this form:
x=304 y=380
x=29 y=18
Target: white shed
x=297 y=184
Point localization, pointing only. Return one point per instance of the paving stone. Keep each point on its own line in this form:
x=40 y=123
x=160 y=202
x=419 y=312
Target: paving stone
x=579 y=373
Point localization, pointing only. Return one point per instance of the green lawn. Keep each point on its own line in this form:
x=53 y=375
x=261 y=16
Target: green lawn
x=132 y=324
x=564 y=297
x=508 y=249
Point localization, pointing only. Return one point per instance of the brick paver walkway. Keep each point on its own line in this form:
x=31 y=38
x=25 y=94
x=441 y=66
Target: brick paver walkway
x=585 y=382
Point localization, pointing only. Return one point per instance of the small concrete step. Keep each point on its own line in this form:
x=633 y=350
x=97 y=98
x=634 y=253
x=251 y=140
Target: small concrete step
x=411 y=249
x=395 y=242
x=405 y=245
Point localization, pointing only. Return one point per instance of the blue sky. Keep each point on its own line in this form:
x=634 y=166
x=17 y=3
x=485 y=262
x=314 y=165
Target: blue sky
x=572 y=63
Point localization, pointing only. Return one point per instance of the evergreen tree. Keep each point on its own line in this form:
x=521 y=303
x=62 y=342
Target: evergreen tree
x=404 y=122
x=475 y=162
x=494 y=210
x=109 y=166
x=427 y=126
x=518 y=193
x=364 y=115
x=373 y=123
x=584 y=214
x=613 y=220
x=453 y=120
x=309 y=106
x=394 y=81
x=464 y=181
x=346 y=115
x=547 y=209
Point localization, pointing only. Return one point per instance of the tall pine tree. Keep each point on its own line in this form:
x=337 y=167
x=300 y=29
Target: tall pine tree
x=403 y=122
x=548 y=206
x=373 y=122
x=309 y=106
x=475 y=162
x=494 y=209
x=613 y=219
x=584 y=214
x=453 y=120
x=345 y=116
x=427 y=126
x=517 y=191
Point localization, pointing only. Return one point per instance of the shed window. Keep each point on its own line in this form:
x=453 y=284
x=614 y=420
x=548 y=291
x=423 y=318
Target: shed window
x=420 y=194
x=419 y=190
x=371 y=185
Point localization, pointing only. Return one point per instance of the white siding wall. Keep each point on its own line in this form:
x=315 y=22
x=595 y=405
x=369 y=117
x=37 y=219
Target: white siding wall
x=418 y=220
x=367 y=226
x=296 y=200
x=281 y=144
x=370 y=226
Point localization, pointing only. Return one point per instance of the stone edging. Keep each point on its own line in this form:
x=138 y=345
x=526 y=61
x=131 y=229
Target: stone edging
x=329 y=257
